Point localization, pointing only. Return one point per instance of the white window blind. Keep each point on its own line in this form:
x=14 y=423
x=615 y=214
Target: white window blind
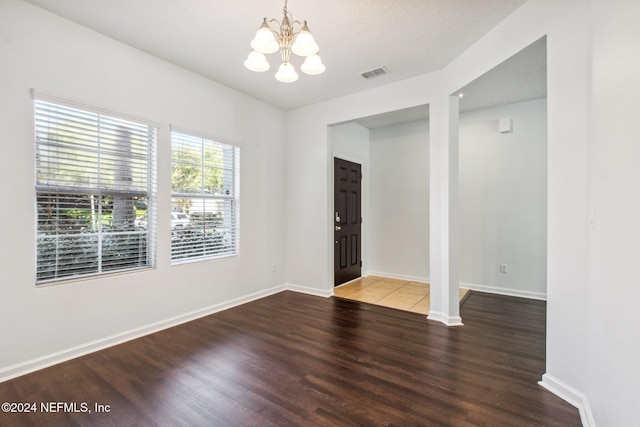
x=205 y=198
x=95 y=190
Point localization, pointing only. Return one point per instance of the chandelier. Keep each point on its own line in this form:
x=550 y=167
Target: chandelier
x=287 y=40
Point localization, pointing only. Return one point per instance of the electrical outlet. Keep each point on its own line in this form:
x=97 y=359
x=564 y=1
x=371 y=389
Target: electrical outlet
x=503 y=268
x=274 y=268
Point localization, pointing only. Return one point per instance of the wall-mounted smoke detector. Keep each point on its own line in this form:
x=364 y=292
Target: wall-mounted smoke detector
x=374 y=73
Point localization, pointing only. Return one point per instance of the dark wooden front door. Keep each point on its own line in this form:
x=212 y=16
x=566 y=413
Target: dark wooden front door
x=347 y=220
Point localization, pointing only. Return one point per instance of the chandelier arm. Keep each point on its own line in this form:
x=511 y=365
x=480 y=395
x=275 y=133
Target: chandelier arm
x=277 y=22
x=291 y=23
x=295 y=33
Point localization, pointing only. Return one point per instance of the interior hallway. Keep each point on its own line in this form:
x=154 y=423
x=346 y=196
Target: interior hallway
x=393 y=293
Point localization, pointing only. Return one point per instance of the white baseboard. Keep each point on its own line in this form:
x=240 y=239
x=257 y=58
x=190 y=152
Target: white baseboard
x=36 y=364
x=310 y=291
x=399 y=276
x=504 y=291
x=571 y=395
x=443 y=318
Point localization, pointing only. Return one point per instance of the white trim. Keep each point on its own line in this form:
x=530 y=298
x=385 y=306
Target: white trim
x=400 y=276
x=505 y=291
x=309 y=291
x=36 y=364
x=570 y=395
x=443 y=318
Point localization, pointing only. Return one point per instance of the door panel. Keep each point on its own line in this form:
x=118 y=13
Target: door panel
x=354 y=250
x=347 y=220
x=343 y=252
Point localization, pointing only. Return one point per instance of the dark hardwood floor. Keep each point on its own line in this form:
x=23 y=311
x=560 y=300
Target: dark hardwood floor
x=295 y=359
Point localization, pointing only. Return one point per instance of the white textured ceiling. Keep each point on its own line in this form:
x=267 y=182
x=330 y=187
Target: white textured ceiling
x=211 y=37
x=520 y=78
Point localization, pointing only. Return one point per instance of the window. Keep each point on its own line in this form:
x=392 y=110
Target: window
x=205 y=198
x=95 y=185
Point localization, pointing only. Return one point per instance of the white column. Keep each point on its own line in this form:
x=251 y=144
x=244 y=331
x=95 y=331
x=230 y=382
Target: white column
x=443 y=211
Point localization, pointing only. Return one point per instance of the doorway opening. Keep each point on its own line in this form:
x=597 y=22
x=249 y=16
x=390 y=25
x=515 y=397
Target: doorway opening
x=502 y=177
x=392 y=150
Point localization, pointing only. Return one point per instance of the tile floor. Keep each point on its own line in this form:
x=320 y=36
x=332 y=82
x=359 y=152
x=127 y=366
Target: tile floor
x=394 y=293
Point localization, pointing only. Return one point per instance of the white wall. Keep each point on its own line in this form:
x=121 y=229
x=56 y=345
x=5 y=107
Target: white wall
x=399 y=204
x=568 y=72
x=503 y=200
x=40 y=325
x=614 y=234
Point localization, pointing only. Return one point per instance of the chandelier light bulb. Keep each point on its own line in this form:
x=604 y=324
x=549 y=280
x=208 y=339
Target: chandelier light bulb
x=304 y=44
x=256 y=62
x=265 y=41
x=286 y=73
x=313 y=65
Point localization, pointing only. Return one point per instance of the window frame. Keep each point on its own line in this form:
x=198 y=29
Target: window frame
x=232 y=217
x=56 y=191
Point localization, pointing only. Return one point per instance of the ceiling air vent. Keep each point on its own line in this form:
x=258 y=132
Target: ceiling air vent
x=375 y=73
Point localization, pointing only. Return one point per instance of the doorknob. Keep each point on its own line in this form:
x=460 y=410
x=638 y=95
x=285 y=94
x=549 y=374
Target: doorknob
x=338 y=228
